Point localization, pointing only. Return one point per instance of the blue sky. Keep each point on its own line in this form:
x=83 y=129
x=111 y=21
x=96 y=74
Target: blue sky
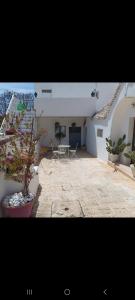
x=17 y=86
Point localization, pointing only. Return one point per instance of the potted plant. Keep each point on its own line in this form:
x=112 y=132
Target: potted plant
x=73 y=124
x=17 y=165
x=57 y=124
x=60 y=135
x=131 y=156
x=115 y=149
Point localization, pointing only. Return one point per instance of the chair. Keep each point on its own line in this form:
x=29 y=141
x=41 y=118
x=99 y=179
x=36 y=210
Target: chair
x=61 y=153
x=73 y=151
x=55 y=154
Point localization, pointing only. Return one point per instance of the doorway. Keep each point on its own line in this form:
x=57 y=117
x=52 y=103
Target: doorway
x=75 y=136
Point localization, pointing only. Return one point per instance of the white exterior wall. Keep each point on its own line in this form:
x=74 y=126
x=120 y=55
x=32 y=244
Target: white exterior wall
x=65 y=89
x=12 y=108
x=114 y=126
x=49 y=124
x=106 y=93
x=8 y=186
x=123 y=122
x=131 y=89
x=97 y=145
x=120 y=120
x=64 y=107
x=72 y=99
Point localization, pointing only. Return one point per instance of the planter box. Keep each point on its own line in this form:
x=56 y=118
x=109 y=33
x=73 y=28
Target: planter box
x=23 y=211
x=114 y=157
x=133 y=169
x=9 y=187
x=123 y=159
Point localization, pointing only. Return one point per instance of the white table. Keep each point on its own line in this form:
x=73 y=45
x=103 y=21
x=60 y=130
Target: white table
x=66 y=147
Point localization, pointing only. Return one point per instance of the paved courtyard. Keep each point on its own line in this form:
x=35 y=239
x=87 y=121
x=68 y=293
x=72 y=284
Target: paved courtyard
x=83 y=187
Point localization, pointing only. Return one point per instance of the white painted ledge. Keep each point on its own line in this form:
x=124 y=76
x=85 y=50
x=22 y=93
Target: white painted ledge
x=10 y=186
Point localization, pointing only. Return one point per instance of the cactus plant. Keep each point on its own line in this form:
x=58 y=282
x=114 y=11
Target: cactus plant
x=116 y=148
x=131 y=155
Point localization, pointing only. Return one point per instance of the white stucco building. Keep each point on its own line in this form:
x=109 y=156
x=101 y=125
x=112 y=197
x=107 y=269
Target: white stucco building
x=85 y=119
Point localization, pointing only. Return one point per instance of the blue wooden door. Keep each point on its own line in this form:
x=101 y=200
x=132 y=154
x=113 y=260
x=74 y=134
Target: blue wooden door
x=74 y=136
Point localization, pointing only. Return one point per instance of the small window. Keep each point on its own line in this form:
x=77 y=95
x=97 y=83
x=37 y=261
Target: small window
x=100 y=132
x=47 y=91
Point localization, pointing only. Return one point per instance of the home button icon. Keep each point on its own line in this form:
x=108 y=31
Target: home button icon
x=67 y=292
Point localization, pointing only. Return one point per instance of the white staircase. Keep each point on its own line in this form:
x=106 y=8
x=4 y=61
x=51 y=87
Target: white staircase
x=106 y=110
x=25 y=125
x=117 y=92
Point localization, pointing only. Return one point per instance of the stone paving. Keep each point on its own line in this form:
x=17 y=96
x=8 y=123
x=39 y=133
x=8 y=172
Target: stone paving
x=83 y=187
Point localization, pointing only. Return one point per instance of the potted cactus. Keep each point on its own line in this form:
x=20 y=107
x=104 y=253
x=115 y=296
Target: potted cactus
x=131 y=156
x=115 y=149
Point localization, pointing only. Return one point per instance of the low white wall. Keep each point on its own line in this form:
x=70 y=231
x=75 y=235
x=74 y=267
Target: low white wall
x=97 y=145
x=65 y=107
x=10 y=186
x=49 y=124
x=33 y=186
x=2 y=188
x=123 y=122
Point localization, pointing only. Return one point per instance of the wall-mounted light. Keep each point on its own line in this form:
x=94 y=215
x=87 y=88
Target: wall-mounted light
x=95 y=92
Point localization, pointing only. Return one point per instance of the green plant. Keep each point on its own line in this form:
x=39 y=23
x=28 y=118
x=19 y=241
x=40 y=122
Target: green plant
x=131 y=155
x=116 y=148
x=60 y=135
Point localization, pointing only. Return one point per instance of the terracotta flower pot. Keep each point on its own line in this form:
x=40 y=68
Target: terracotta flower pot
x=23 y=211
x=10 y=131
